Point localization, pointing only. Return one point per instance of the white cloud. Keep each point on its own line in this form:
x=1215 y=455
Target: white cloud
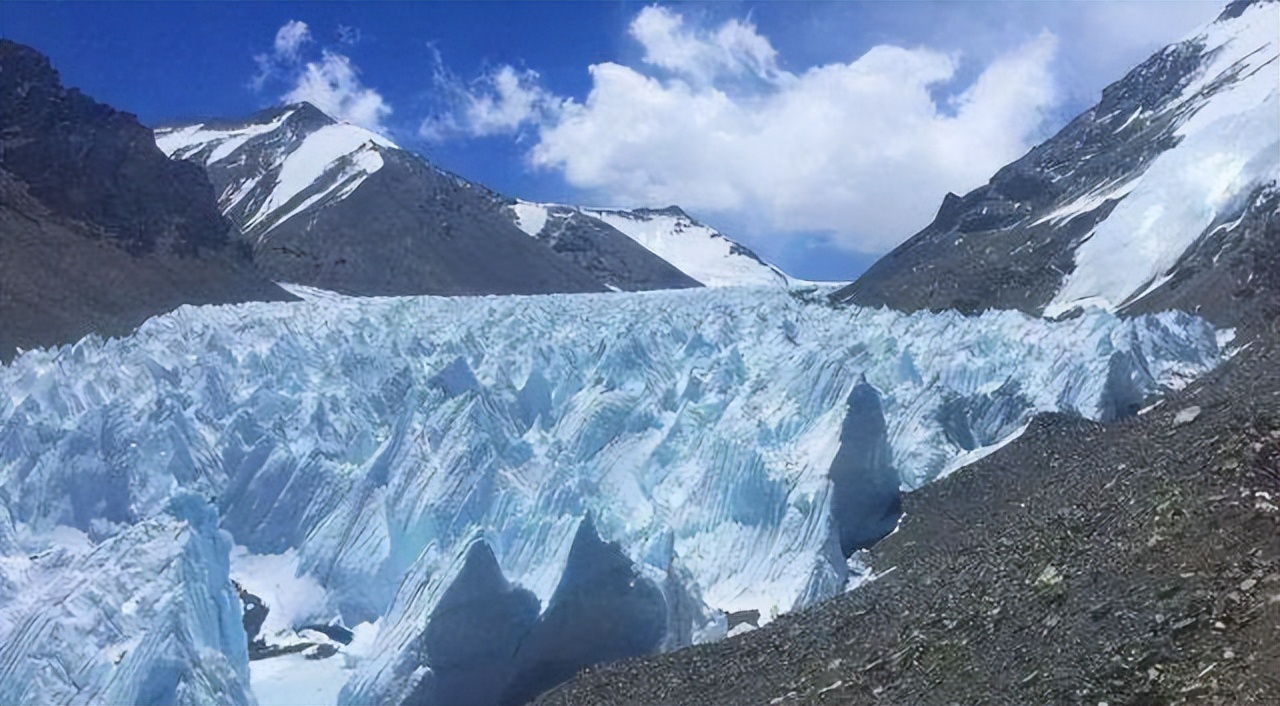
x=333 y=85
x=502 y=101
x=734 y=48
x=290 y=38
x=856 y=151
x=862 y=151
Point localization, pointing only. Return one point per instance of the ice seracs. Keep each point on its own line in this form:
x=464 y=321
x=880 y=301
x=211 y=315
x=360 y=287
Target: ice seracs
x=369 y=444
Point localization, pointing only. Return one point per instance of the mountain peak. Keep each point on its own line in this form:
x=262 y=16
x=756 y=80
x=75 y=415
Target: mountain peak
x=1237 y=8
x=305 y=114
x=672 y=210
x=1114 y=211
x=25 y=61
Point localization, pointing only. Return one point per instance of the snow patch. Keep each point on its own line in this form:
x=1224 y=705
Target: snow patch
x=180 y=143
x=530 y=217
x=292 y=599
x=701 y=252
x=342 y=155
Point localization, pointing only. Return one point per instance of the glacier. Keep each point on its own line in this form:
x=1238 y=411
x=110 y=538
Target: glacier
x=596 y=474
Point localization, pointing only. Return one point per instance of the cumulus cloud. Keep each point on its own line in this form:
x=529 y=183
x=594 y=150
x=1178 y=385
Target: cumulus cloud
x=333 y=85
x=860 y=151
x=501 y=101
x=733 y=49
x=290 y=38
x=331 y=82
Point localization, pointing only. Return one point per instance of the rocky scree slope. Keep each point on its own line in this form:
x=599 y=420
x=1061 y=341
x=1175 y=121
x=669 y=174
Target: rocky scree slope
x=98 y=229
x=1162 y=195
x=332 y=205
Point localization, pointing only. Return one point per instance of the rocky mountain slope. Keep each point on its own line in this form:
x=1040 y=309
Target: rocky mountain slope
x=700 y=252
x=1164 y=194
x=98 y=229
x=335 y=206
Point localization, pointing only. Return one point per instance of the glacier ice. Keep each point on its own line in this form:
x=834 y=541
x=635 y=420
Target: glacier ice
x=390 y=448
x=146 y=616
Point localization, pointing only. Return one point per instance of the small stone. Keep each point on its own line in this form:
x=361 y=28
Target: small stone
x=1048 y=578
x=1228 y=654
x=1186 y=416
x=1219 y=625
x=1248 y=584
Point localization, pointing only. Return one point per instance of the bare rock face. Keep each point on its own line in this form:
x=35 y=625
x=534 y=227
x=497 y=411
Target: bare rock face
x=98 y=229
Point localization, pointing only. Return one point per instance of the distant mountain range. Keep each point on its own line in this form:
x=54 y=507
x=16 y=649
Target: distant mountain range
x=101 y=230
x=700 y=252
x=335 y=206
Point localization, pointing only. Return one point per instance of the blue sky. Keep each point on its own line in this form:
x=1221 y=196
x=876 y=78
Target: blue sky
x=820 y=134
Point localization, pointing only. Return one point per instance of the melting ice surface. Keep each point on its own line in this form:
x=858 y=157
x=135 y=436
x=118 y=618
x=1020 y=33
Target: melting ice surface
x=386 y=449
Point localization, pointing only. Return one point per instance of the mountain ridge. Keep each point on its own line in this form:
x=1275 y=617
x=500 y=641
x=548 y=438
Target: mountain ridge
x=1108 y=211
x=250 y=161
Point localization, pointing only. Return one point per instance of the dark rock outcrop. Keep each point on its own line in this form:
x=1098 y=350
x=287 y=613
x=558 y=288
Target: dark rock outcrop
x=412 y=229
x=98 y=229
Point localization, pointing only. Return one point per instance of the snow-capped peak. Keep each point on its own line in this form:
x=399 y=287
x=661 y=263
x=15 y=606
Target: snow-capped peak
x=699 y=251
x=1228 y=147
x=279 y=162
